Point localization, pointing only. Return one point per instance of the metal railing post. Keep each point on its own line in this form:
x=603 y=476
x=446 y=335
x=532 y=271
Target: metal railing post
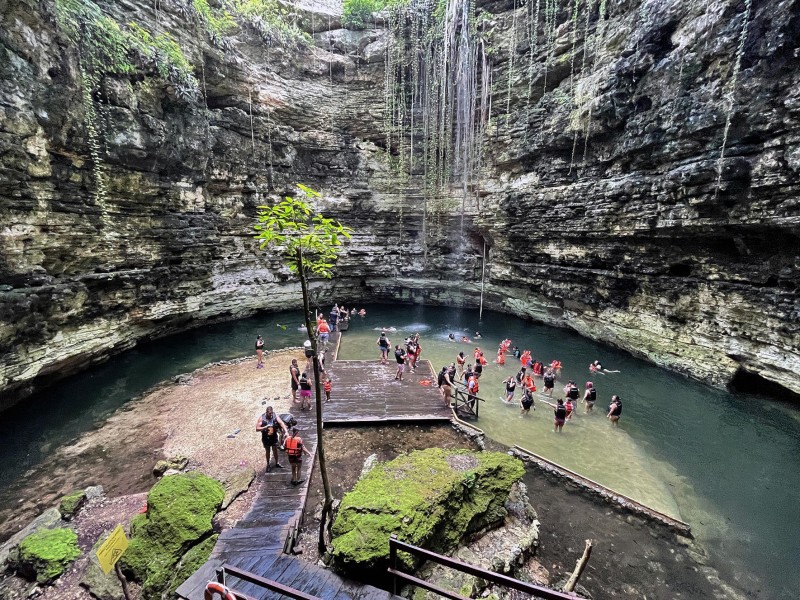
x=393 y=560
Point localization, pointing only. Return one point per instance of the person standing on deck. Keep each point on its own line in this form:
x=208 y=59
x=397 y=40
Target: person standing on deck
x=334 y=316
x=294 y=450
x=268 y=425
x=400 y=357
x=384 y=344
x=445 y=385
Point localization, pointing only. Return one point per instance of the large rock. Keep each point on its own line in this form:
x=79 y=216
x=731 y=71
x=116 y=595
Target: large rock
x=237 y=484
x=49 y=519
x=430 y=498
x=179 y=513
x=70 y=504
x=46 y=554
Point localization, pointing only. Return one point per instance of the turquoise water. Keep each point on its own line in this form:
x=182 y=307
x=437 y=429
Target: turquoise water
x=725 y=464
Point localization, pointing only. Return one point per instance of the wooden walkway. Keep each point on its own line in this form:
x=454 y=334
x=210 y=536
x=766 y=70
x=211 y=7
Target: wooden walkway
x=363 y=392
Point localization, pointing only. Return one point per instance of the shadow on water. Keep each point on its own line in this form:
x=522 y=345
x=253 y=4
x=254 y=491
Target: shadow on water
x=724 y=463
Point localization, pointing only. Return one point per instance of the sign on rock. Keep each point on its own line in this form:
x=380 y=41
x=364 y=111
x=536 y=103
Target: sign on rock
x=108 y=554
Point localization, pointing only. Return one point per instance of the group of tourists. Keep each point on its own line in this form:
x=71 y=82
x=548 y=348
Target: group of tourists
x=406 y=356
x=276 y=433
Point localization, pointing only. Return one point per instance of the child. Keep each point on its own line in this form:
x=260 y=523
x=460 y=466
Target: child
x=327 y=387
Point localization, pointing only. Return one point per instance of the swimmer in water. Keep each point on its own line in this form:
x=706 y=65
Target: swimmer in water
x=362 y=312
x=596 y=367
x=477 y=335
x=465 y=339
x=451 y=337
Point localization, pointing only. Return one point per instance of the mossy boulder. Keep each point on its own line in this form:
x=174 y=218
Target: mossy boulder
x=431 y=498
x=179 y=512
x=71 y=504
x=195 y=558
x=46 y=554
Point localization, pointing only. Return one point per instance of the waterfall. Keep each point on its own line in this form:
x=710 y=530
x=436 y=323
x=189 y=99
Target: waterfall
x=729 y=97
x=512 y=50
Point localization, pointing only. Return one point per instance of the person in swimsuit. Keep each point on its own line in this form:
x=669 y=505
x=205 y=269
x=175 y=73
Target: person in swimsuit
x=268 y=425
x=384 y=344
x=590 y=396
x=294 y=375
x=511 y=386
x=559 y=414
x=260 y=352
x=615 y=410
x=526 y=402
x=305 y=392
x=445 y=385
x=460 y=361
x=549 y=382
x=400 y=357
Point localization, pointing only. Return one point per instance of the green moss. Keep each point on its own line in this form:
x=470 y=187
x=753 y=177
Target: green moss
x=46 y=554
x=424 y=500
x=71 y=503
x=195 y=558
x=179 y=513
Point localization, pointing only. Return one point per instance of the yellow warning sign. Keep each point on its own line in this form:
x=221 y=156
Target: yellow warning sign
x=108 y=554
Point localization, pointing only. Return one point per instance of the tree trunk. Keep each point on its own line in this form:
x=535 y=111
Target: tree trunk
x=328 y=505
x=579 y=567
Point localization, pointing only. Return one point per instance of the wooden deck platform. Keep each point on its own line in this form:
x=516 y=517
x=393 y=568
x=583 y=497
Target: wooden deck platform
x=365 y=391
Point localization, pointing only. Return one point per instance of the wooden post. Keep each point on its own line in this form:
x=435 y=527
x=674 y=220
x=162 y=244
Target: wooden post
x=579 y=567
x=393 y=561
x=123 y=581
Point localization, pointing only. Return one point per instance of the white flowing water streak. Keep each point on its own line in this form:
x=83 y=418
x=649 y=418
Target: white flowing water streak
x=729 y=98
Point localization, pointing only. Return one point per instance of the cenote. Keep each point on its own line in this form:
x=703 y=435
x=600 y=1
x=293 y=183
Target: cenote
x=724 y=463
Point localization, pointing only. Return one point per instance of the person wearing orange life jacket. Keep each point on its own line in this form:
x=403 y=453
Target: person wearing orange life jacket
x=327 y=387
x=476 y=353
x=294 y=450
x=460 y=362
x=529 y=384
x=501 y=357
x=472 y=387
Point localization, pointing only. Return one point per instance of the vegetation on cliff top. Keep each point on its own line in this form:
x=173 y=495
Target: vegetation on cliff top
x=178 y=520
x=431 y=498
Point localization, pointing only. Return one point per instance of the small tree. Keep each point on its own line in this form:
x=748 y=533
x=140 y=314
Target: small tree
x=310 y=244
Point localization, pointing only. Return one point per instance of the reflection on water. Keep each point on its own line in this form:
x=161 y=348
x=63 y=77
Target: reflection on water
x=725 y=464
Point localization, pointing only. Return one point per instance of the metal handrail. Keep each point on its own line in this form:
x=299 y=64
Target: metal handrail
x=453 y=563
x=269 y=584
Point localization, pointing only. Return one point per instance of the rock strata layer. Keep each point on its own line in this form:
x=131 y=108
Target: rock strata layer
x=599 y=200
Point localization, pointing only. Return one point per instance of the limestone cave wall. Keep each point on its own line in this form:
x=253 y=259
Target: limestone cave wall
x=622 y=234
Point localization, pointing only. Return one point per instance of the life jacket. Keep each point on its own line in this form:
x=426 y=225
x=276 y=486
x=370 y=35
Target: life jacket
x=530 y=384
x=305 y=384
x=294 y=445
x=323 y=328
x=573 y=393
x=327 y=385
x=549 y=380
x=556 y=364
x=482 y=361
x=474 y=389
x=592 y=394
x=569 y=406
x=477 y=353
x=561 y=412
x=501 y=359
x=537 y=368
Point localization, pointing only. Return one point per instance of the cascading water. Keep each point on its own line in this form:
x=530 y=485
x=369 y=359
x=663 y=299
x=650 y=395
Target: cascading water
x=729 y=96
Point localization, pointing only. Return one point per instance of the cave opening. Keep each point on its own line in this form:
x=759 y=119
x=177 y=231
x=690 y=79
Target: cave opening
x=747 y=382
